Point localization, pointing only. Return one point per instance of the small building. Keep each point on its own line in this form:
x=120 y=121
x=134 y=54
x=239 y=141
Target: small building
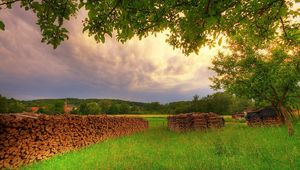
x=68 y=108
x=34 y=109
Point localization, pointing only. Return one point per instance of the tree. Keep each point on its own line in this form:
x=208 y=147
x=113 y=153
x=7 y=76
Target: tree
x=195 y=98
x=10 y=105
x=240 y=104
x=43 y=110
x=3 y=104
x=15 y=106
x=219 y=103
x=83 y=108
x=195 y=103
x=191 y=24
x=57 y=107
x=89 y=108
x=124 y=108
x=93 y=108
x=177 y=107
x=264 y=73
x=113 y=109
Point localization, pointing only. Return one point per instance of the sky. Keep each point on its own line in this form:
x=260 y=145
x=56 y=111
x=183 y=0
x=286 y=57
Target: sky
x=144 y=70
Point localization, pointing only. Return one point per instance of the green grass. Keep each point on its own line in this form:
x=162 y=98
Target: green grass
x=234 y=147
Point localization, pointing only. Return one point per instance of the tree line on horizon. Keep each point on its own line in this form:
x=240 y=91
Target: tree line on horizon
x=11 y=105
x=220 y=103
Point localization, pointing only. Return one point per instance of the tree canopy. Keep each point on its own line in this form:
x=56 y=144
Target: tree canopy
x=267 y=74
x=89 y=108
x=10 y=105
x=190 y=24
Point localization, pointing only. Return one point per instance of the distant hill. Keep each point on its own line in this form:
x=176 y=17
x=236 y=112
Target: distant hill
x=221 y=103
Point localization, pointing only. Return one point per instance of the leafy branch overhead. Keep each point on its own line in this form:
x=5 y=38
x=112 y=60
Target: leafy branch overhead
x=190 y=24
x=269 y=74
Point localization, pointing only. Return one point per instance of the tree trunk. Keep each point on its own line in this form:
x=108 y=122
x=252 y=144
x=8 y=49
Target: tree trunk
x=283 y=113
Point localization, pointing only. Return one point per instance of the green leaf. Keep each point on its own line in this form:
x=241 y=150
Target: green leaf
x=2 y=26
x=220 y=41
x=102 y=38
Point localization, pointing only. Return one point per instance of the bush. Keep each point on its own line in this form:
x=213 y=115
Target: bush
x=89 y=108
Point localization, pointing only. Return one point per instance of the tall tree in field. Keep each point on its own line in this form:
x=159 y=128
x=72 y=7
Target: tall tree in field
x=190 y=24
x=269 y=73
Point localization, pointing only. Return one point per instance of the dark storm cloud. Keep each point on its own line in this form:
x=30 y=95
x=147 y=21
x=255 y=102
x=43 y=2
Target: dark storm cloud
x=147 y=70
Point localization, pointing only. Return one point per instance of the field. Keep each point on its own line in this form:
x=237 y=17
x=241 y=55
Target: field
x=234 y=147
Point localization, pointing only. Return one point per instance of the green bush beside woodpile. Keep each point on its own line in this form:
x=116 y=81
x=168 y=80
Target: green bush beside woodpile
x=195 y=121
x=25 y=138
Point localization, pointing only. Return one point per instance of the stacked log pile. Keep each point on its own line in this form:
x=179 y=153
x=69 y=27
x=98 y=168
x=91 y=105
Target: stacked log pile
x=214 y=120
x=180 y=122
x=25 y=138
x=194 y=121
x=268 y=121
x=199 y=121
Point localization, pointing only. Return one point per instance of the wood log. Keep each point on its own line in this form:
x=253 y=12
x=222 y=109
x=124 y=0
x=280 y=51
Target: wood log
x=25 y=139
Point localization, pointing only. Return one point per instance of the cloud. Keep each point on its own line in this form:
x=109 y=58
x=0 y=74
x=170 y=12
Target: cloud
x=145 y=70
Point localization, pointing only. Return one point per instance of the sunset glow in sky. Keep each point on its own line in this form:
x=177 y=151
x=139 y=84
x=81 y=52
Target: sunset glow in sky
x=139 y=70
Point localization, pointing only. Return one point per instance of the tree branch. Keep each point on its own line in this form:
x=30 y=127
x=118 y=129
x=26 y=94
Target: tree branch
x=274 y=91
x=295 y=96
x=261 y=94
x=207 y=7
x=283 y=26
x=9 y=2
x=286 y=90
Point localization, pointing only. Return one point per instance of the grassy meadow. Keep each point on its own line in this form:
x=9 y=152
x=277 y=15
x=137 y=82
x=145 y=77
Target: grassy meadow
x=234 y=147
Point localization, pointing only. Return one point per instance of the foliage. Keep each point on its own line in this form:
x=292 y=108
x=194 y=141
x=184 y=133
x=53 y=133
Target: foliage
x=57 y=107
x=114 y=109
x=43 y=110
x=124 y=108
x=93 y=108
x=221 y=103
x=83 y=108
x=234 y=147
x=10 y=105
x=266 y=73
x=177 y=107
x=190 y=24
x=89 y=108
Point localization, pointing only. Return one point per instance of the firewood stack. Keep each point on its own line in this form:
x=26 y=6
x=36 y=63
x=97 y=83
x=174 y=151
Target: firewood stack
x=25 y=138
x=272 y=121
x=180 y=122
x=214 y=120
x=254 y=122
x=199 y=121
x=268 y=121
x=194 y=121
